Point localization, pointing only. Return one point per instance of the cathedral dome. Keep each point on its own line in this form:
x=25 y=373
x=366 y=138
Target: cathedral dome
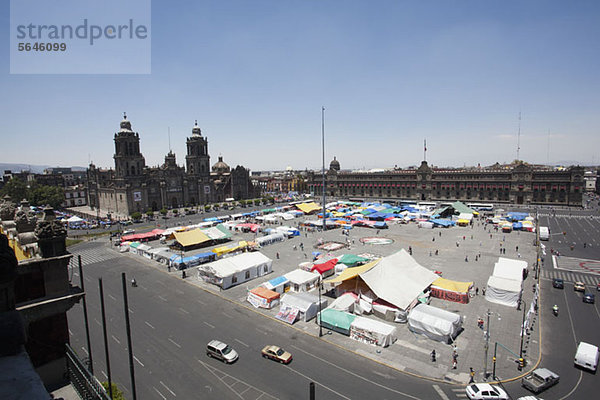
x=335 y=164
x=196 y=129
x=220 y=166
x=125 y=124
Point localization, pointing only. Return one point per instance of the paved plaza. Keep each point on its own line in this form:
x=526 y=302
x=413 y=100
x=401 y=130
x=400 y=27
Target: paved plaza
x=457 y=248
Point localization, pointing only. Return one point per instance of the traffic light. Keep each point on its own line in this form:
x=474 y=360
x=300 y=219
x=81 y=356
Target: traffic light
x=521 y=364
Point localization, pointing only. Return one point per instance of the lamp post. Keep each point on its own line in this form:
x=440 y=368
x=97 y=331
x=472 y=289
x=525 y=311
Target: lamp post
x=323 y=146
x=320 y=309
x=487 y=342
x=522 y=331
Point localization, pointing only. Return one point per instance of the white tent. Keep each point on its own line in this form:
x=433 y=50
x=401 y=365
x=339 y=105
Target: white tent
x=503 y=291
x=75 y=220
x=370 y=331
x=398 y=279
x=272 y=238
x=344 y=303
x=306 y=304
x=506 y=283
x=302 y=281
x=435 y=323
x=234 y=270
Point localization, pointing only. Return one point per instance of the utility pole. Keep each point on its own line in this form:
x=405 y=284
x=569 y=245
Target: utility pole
x=487 y=345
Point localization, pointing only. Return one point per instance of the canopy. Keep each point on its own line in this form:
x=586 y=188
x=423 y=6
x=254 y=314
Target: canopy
x=335 y=320
x=308 y=208
x=351 y=260
x=75 y=219
x=370 y=331
x=265 y=293
x=455 y=286
x=503 y=291
x=350 y=273
x=191 y=238
x=398 y=279
x=509 y=268
x=324 y=267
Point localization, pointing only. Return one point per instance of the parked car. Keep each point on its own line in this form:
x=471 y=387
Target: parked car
x=558 y=283
x=276 y=353
x=221 y=351
x=128 y=232
x=485 y=391
x=589 y=298
x=539 y=380
x=579 y=286
x=598 y=287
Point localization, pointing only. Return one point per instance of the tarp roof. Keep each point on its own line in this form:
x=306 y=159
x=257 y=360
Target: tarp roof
x=350 y=273
x=351 y=259
x=454 y=286
x=265 y=293
x=337 y=319
x=300 y=276
x=307 y=208
x=75 y=218
x=462 y=208
x=509 y=268
x=231 y=265
x=190 y=238
x=301 y=301
x=398 y=279
x=324 y=267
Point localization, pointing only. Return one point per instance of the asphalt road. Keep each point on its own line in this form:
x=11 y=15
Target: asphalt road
x=171 y=323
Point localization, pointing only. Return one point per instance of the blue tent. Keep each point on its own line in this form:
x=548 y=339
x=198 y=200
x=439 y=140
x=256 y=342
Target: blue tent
x=517 y=226
x=516 y=216
x=380 y=225
x=442 y=222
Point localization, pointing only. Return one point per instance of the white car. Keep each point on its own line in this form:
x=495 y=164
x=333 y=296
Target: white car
x=485 y=391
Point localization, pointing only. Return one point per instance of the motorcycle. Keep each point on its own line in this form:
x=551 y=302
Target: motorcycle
x=555 y=311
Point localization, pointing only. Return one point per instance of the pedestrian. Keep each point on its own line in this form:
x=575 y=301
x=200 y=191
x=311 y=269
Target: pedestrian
x=433 y=240
x=466 y=259
x=169 y=268
x=471 y=375
x=483 y=291
x=440 y=232
x=277 y=255
x=476 y=291
x=410 y=250
x=436 y=252
x=429 y=253
x=454 y=362
x=517 y=249
x=433 y=356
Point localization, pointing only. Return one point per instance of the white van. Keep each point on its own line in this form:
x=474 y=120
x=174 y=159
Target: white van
x=587 y=356
x=544 y=233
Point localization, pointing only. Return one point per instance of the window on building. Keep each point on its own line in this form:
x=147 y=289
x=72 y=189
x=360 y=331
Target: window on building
x=247 y=274
x=234 y=279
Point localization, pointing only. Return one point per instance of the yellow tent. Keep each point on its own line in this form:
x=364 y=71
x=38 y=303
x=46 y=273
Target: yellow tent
x=307 y=208
x=454 y=286
x=191 y=238
x=463 y=222
x=350 y=273
x=220 y=251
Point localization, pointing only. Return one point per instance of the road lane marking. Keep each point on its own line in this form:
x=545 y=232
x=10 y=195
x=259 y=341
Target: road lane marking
x=227 y=315
x=130 y=310
x=148 y=323
x=356 y=375
x=185 y=311
x=175 y=343
x=70 y=332
x=98 y=322
x=211 y=325
x=440 y=392
x=575 y=387
x=104 y=373
x=139 y=362
x=112 y=297
x=143 y=287
x=317 y=382
x=179 y=291
x=240 y=342
x=84 y=349
x=165 y=386
x=162 y=298
x=201 y=302
x=161 y=395
x=116 y=340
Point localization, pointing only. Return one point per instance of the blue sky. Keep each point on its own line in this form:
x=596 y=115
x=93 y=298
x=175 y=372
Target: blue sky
x=389 y=73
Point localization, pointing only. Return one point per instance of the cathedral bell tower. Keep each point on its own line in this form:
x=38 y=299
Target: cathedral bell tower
x=197 y=159
x=129 y=162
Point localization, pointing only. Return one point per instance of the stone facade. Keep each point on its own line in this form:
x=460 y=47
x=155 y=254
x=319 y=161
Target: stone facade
x=132 y=186
x=517 y=183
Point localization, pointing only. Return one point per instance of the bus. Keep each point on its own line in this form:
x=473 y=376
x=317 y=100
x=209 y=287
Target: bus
x=481 y=206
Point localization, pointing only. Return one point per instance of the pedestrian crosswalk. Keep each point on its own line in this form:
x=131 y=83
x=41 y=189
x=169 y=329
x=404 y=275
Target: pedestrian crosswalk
x=569 y=276
x=92 y=255
x=567 y=215
x=459 y=393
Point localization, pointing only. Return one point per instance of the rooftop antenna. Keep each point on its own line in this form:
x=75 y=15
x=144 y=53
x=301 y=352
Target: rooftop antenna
x=424 y=149
x=519 y=137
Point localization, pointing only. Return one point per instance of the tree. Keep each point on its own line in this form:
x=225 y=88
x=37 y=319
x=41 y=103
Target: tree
x=207 y=208
x=176 y=211
x=116 y=392
x=136 y=216
x=40 y=195
x=257 y=202
x=150 y=213
x=163 y=211
x=16 y=189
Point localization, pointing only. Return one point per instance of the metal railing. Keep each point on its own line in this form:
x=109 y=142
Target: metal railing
x=86 y=384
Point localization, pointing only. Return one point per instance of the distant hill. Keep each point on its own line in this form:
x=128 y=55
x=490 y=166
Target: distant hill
x=36 y=169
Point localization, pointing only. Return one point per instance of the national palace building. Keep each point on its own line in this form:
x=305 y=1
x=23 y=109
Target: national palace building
x=517 y=183
x=132 y=186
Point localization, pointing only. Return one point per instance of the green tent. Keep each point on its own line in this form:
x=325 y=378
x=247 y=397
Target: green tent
x=351 y=260
x=335 y=320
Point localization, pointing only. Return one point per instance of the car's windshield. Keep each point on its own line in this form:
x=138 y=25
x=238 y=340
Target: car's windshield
x=280 y=352
x=226 y=350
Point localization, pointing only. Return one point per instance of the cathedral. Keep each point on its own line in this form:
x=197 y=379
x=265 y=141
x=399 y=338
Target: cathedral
x=132 y=186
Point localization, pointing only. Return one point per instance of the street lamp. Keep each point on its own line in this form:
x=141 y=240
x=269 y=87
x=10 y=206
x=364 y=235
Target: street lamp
x=522 y=303
x=320 y=309
x=487 y=341
x=323 y=147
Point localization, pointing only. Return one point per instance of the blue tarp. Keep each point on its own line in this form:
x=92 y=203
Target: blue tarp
x=517 y=225
x=380 y=225
x=212 y=219
x=442 y=222
x=516 y=216
x=278 y=281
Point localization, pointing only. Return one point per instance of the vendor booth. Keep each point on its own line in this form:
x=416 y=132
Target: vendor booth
x=447 y=289
x=231 y=271
x=307 y=305
x=335 y=320
x=372 y=332
x=302 y=281
x=261 y=297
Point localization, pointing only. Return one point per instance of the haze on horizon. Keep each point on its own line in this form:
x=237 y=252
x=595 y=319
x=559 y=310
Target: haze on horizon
x=390 y=74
